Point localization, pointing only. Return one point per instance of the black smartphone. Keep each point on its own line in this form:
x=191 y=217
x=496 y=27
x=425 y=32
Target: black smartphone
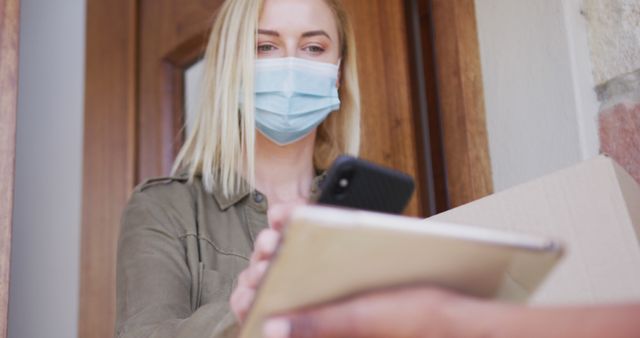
x=354 y=183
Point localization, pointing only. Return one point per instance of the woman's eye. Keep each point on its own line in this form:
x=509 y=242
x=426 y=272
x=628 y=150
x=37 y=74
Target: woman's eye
x=265 y=48
x=314 y=49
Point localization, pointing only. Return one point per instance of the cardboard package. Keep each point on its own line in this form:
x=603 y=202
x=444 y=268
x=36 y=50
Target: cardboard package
x=594 y=207
x=330 y=253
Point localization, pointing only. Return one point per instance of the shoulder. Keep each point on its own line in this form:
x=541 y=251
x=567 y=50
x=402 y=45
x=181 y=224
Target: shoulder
x=167 y=189
x=168 y=199
x=163 y=185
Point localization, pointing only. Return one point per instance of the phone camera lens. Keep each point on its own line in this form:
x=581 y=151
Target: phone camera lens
x=343 y=183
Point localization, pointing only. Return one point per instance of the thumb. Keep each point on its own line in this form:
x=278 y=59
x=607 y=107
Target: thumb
x=392 y=313
x=332 y=322
x=278 y=215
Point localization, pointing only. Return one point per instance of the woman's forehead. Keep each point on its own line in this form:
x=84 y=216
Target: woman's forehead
x=298 y=16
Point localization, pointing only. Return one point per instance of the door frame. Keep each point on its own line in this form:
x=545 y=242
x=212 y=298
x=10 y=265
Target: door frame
x=449 y=99
x=9 y=38
x=460 y=99
x=109 y=164
x=458 y=150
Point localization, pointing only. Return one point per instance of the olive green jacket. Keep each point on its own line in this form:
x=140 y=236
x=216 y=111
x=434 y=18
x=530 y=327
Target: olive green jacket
x=179 y=254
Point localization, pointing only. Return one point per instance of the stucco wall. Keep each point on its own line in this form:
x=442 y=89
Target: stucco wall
x=614 y=36
x=614 y=41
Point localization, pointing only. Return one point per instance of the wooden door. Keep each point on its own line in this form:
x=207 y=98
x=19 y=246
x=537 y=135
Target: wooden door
x=9 y=25
x=173 y=37
x=137 y=54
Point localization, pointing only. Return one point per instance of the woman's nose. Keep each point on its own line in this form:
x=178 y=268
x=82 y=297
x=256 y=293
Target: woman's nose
x=291 y=49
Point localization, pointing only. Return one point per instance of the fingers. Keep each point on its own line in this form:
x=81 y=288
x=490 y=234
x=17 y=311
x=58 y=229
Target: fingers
x=252 y=276
x=397 y=313
x=249 y=279
x=240 y=301
x=329 y=322
x=348 y=318
x=265 y=246
x=279 y=214
x=326 y=322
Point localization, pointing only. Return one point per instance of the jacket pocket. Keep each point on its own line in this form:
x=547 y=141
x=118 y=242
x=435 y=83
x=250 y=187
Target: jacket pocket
x=214 y=286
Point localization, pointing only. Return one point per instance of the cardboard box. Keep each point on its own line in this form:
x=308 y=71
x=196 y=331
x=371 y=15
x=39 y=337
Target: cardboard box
x=594 y=207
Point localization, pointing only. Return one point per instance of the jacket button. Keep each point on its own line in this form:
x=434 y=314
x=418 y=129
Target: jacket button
x=258 y=197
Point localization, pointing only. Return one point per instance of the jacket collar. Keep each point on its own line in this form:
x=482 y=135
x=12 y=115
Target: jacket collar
x=226 y=202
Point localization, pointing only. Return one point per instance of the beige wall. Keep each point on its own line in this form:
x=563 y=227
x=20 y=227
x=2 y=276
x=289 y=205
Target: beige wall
x=540 y=104
x=46 y=229
x=541 y=61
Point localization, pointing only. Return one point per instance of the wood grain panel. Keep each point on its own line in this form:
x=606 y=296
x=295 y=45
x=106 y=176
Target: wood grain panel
x=166 y=53
x=134 y=112
x=9 y=27
x=426 y=110
x=388 y=135
x=388 y=129
x=109 y=150
x=461 y=100
x=174 y=35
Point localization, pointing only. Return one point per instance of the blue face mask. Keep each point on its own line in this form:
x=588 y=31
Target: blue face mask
x=293 y=96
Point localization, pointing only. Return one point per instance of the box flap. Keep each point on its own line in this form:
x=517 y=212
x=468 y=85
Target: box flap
x=631 y=194
x=592 y=207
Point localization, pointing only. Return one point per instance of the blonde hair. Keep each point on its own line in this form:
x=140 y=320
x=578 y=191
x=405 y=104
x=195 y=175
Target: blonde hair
x=221 y=145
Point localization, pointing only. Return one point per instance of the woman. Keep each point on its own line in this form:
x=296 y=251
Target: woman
x=287 y=69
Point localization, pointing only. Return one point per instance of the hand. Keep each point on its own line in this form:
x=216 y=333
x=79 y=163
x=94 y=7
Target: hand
x=426 y=312
x=249 y=279
x=264 y=248
x=410 y=312
x=279 y=214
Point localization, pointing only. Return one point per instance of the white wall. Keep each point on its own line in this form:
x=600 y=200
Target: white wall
x=540 y=104
x=46 y=229
x=192 y=90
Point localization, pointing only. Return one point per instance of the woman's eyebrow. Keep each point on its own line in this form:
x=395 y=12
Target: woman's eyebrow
x=304 y=35
x=268 y=32
x=315 y=33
